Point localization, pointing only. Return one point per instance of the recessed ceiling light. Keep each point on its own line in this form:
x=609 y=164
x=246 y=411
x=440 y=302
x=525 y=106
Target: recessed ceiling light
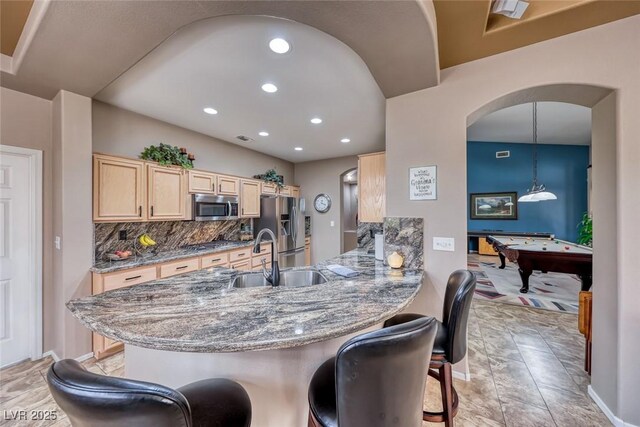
x=345 y=140
x=263 y=133
x=269 y=88
x=316 y=120
x=210 y=110
x=298 y=148
x=279 y=45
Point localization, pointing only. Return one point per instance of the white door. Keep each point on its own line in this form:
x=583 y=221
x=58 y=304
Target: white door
x=19 y=262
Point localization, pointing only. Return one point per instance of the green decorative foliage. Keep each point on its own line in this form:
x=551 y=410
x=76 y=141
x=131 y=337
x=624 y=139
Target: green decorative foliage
x=272 y=176
x=585 y=230
x=166 y=155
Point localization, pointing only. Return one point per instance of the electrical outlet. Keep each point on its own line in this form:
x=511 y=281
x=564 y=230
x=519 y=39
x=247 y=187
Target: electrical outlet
x=444 y=244
x=332 y=223
x=56 y=242
x=122 y=235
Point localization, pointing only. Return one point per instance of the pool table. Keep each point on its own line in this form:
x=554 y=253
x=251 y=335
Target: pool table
x=544 y=254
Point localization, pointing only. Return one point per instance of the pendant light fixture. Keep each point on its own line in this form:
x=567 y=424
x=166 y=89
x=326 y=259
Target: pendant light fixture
x=537 y=192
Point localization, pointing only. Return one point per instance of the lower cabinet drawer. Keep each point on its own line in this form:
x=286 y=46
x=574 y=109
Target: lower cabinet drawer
x=214 y=260
x=242 y=265
x=239 y=254
x=128 y=278
x=178 y=267
x=256 y=261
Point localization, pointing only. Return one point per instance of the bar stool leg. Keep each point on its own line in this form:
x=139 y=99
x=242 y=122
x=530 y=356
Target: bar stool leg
x=446 y=386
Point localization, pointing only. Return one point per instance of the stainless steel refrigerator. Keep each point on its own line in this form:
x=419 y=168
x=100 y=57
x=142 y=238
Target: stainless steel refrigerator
x=282 y=215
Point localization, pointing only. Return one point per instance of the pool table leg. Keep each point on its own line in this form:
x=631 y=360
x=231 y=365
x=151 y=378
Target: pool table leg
x=524 y=275
x=502 y=260
x=587 y=281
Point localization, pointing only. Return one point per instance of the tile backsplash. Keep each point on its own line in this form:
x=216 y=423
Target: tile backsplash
x=365 y=240
x=168 y=235
x=405 y=236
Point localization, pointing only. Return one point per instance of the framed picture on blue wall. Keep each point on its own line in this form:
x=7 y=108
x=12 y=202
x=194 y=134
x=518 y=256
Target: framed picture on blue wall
x=494 y=205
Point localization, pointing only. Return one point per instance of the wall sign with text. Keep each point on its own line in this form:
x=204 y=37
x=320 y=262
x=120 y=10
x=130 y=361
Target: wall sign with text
x=423 y=183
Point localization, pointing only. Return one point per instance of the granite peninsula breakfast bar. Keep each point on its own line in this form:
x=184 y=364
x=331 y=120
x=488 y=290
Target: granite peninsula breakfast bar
x=271 y=340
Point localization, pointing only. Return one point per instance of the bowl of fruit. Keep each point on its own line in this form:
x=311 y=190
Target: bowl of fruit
x=119 y=255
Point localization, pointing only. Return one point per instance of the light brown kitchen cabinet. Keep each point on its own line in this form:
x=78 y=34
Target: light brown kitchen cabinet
x=118 y=189
x=103 y=346
x=166 y=193
x=228 y=185
x=202 y=182
x=250 y=198
x=371 y=187
x=295 y=192
x=241 y=265
x=285 y=191
x=174 y=268
x=268 y=188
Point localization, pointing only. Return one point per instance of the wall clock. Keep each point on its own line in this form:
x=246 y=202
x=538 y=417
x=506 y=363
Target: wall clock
x=322 y=203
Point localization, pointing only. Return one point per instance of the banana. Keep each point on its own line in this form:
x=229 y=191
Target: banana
x=149 y=240
x=142 y=241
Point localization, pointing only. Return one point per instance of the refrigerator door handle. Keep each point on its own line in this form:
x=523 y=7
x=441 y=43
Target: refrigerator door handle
x=294 y=224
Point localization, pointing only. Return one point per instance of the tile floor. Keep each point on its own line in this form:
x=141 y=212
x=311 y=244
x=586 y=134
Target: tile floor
x=526 y=368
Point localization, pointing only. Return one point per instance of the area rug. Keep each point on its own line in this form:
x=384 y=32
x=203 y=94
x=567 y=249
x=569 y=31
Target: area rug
x=548 y=291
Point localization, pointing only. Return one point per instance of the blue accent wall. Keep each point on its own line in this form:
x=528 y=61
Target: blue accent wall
x=561 y=168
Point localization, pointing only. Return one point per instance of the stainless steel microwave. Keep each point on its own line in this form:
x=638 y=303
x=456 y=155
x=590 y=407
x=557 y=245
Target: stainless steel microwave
x=207 y=207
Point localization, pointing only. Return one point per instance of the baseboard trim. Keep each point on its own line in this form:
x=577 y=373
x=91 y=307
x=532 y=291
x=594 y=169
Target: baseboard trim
x=55 y=357
x=464 y=376
x=617 y=422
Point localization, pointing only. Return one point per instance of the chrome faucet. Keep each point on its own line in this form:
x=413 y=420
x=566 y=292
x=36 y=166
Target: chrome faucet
x=273 y=276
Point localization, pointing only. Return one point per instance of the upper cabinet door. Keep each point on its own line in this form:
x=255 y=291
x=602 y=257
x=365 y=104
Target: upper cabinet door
x=250 y=199
x=269 y=188
x=286 y=190
x=202 y=182
x=371 y=187
x=167 y=193
x=228 y=185
x=118 y=189
x=295 y=192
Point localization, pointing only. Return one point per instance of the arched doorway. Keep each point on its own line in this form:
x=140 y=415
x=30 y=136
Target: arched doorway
x=603 y=204
x=348 y=210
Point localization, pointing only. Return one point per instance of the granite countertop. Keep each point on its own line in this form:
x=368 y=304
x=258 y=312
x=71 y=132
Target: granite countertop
x=199 y=312
x=187 y=252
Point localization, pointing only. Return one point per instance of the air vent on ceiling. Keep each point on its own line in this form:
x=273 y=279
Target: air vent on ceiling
x=244 y=138
x=503 y=154
x=513 y=9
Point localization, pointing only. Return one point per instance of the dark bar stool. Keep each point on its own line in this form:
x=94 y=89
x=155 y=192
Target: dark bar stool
x=451 y=342
x=376 y=379
x=92 y=400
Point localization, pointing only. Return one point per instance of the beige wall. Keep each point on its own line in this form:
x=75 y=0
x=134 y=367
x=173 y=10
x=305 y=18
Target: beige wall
x=72 y=218
x=603 y=178
x=430 y=125
x=25 y=121
x=323 y=176
x=121 y=132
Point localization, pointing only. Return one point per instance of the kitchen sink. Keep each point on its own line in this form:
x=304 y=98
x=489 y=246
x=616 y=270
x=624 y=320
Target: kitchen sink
x=287 y=278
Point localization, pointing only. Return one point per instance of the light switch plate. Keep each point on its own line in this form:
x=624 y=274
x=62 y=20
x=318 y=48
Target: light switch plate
x=56 y=242
x=332 y=223
x=444 y=244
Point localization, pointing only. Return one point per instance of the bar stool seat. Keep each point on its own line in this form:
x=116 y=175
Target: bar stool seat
x=375 y=379
x=322 y=394
x=93 y=400
x=450 y=344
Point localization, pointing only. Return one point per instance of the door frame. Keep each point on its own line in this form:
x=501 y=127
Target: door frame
x=35 y=244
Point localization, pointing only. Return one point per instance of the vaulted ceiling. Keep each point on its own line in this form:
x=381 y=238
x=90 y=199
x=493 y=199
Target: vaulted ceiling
x=467 y=30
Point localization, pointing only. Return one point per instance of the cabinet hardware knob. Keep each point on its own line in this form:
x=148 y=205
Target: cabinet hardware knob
x=181 y=267
x=133 y=277
x=140 y=211
x=151 y=210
